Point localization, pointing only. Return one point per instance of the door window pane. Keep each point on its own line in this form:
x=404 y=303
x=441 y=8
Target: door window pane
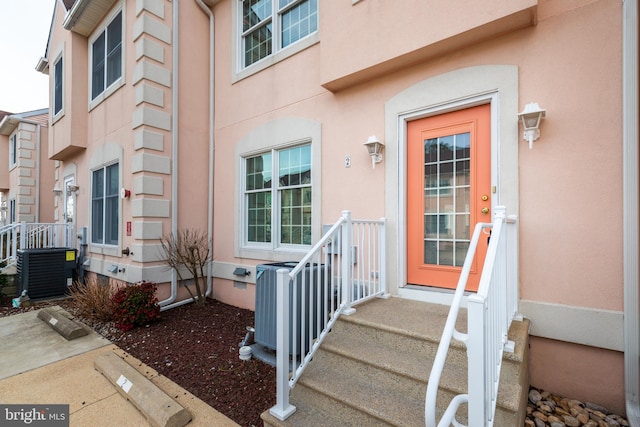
x=447 y=198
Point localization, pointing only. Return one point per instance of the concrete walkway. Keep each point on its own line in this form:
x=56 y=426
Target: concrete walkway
x=39 y=366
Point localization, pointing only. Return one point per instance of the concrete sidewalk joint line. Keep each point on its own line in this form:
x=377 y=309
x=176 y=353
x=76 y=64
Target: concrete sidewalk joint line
x=61 y=324
x=156 y=406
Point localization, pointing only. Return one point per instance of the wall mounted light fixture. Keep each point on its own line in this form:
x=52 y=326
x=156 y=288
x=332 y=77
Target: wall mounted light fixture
x=57 y=191
x=374 y=148
x=530 y=118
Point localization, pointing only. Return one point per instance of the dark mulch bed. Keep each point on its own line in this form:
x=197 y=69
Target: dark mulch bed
x=197 y=348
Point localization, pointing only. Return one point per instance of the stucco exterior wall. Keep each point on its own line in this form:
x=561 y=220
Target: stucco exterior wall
x=371 y=65
x=569 y=62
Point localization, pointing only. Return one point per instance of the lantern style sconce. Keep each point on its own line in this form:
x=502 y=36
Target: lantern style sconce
x=374 y=148
x=57 y=191
x=530 y=119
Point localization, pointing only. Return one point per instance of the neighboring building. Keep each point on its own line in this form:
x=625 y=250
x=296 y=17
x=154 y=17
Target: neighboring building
x=299 y=85
x=26 y=180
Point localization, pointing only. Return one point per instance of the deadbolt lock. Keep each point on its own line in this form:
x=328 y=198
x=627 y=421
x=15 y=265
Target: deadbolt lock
x=484 y=197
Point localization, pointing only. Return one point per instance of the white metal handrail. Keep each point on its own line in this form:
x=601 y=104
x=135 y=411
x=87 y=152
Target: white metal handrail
x=489 y=314
x=25 y=235
x=345 y=268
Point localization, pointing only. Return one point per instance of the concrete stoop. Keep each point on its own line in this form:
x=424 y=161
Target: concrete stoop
x=372 y=370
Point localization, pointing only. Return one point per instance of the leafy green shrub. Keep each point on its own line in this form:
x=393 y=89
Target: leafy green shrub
x=135 y=305
x=93 y=299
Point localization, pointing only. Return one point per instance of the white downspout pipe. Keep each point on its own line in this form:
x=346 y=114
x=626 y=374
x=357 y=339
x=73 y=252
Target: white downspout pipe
x=174 y=149
x=38 y=172
x=212 y=144
x=630 y=111
x=170 y=302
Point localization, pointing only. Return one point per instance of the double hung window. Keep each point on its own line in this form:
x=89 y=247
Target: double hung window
x=269 y=26
x=106 y=57
x=277 y=198
x=12 y=211
x=57 y=86
x=104 y=205
x=13 y=150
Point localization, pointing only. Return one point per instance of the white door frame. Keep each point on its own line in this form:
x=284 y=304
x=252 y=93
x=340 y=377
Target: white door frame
x=467 y=87
x=67 y=193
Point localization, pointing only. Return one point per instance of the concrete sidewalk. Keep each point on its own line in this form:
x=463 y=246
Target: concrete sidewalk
x=39 y=366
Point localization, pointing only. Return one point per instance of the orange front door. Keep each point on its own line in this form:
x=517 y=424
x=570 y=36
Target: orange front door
x=448 y=191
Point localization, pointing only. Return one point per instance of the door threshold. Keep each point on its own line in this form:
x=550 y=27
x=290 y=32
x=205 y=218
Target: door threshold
x=431 y=294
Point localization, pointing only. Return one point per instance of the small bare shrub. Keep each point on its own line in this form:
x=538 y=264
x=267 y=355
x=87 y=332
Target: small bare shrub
x=93 y=299
x=188 y=248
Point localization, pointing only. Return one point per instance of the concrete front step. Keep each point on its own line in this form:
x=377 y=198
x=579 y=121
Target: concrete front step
x=372 y=369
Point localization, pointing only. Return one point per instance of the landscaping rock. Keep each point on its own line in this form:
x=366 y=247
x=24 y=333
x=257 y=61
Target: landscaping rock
x=545 y=409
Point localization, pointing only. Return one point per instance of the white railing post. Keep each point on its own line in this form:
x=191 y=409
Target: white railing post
x=476 y=360
x=347 y=263
x=382 y=249
x=512 y=266
x=282 y=409
x=23 y=235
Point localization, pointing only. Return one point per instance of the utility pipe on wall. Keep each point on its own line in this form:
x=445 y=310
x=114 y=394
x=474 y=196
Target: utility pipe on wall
x=169 y=303
x=212 y=144
x=164 y=304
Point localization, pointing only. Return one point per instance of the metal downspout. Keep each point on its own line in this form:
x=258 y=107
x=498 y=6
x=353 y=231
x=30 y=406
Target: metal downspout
x=630 y=111
x=169 y=303
x=38 y=165
x=174 y=150
x=212 y=144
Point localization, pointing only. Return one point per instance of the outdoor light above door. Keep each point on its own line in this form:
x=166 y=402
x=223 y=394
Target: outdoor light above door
x=530 y=118
x=374 y=148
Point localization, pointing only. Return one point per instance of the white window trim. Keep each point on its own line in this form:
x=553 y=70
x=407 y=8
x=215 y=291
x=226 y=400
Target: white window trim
x=13 y=211
x=276 y=135
x=106 y=155
x=13 y=150
x=276 y=200
x=57 y=116
x=238 y=72
x=109 y=90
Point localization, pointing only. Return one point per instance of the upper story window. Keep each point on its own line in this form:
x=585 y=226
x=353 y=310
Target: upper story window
x=13 y=150
x=57 y=86
x=106 y=57
x=269 y=26
x=278 y=197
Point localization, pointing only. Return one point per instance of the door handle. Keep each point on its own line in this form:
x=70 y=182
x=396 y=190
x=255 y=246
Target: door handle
x=485 y=211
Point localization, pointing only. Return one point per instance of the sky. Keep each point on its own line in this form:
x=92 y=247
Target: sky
x=24 y=30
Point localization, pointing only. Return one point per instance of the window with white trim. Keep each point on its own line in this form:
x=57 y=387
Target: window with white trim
x=269 y=26
x=104 y=205
x=106 y=61
x=57 y=86
x=278 y=212
x=13 y=150
x=12 y=211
